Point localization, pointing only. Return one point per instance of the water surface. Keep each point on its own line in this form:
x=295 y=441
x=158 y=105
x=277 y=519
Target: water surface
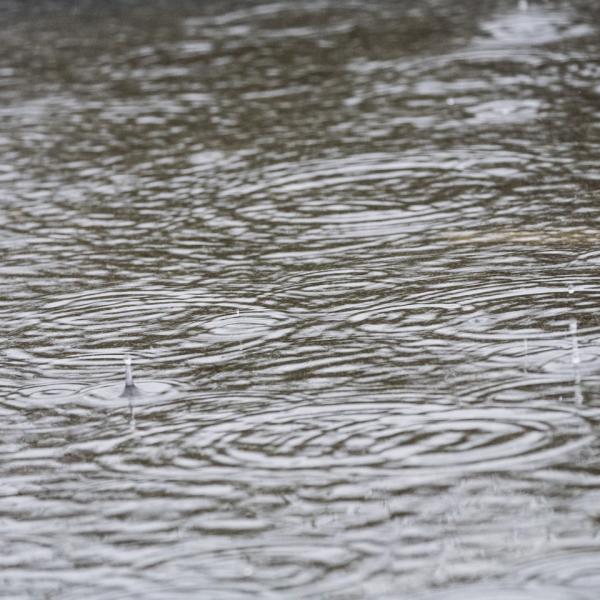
x=353 y=251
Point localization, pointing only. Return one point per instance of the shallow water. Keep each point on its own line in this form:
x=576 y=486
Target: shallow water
x=352 y=250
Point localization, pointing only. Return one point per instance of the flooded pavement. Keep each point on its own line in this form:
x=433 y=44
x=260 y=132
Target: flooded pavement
x=353 y=252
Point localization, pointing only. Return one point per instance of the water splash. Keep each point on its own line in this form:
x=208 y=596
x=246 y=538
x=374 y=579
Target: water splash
x=573 y=331
x=576 y=360
x=130 y=390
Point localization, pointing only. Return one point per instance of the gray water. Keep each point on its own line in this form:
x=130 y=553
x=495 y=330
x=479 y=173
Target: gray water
x=352 y=250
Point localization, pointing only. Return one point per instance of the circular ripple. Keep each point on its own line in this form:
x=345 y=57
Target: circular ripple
x=577 y=570
x=179 y=327
x=44 y=395
x=483 y=592
x=494 y=311
x=51 y=395
x=310 y=202
x=470 y=333
x=243 y=325
x=387 y=436
x=147 y=392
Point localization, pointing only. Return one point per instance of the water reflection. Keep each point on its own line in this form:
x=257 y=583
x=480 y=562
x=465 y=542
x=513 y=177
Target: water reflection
x=346 y=247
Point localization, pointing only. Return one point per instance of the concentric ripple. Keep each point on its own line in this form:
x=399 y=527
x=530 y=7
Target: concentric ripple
x=313 y=197
x=389 y=437
x=44 y=395
x=507 y=592
x=52 y=395
x=125 y=319
x=147 y=392
x=575 y=570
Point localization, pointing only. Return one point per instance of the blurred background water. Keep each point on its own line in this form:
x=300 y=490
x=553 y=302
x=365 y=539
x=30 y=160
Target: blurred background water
x=353 y=251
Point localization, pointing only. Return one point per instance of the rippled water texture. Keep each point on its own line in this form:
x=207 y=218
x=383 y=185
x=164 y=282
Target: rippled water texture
x=352 y=249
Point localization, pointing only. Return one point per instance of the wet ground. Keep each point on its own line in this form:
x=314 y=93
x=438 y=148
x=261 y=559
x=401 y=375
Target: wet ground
x=352 y=249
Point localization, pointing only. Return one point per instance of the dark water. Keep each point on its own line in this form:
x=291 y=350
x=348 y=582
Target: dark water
x=353 y=251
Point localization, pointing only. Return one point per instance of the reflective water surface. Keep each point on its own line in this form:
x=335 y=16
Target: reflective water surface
x=352 y=249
